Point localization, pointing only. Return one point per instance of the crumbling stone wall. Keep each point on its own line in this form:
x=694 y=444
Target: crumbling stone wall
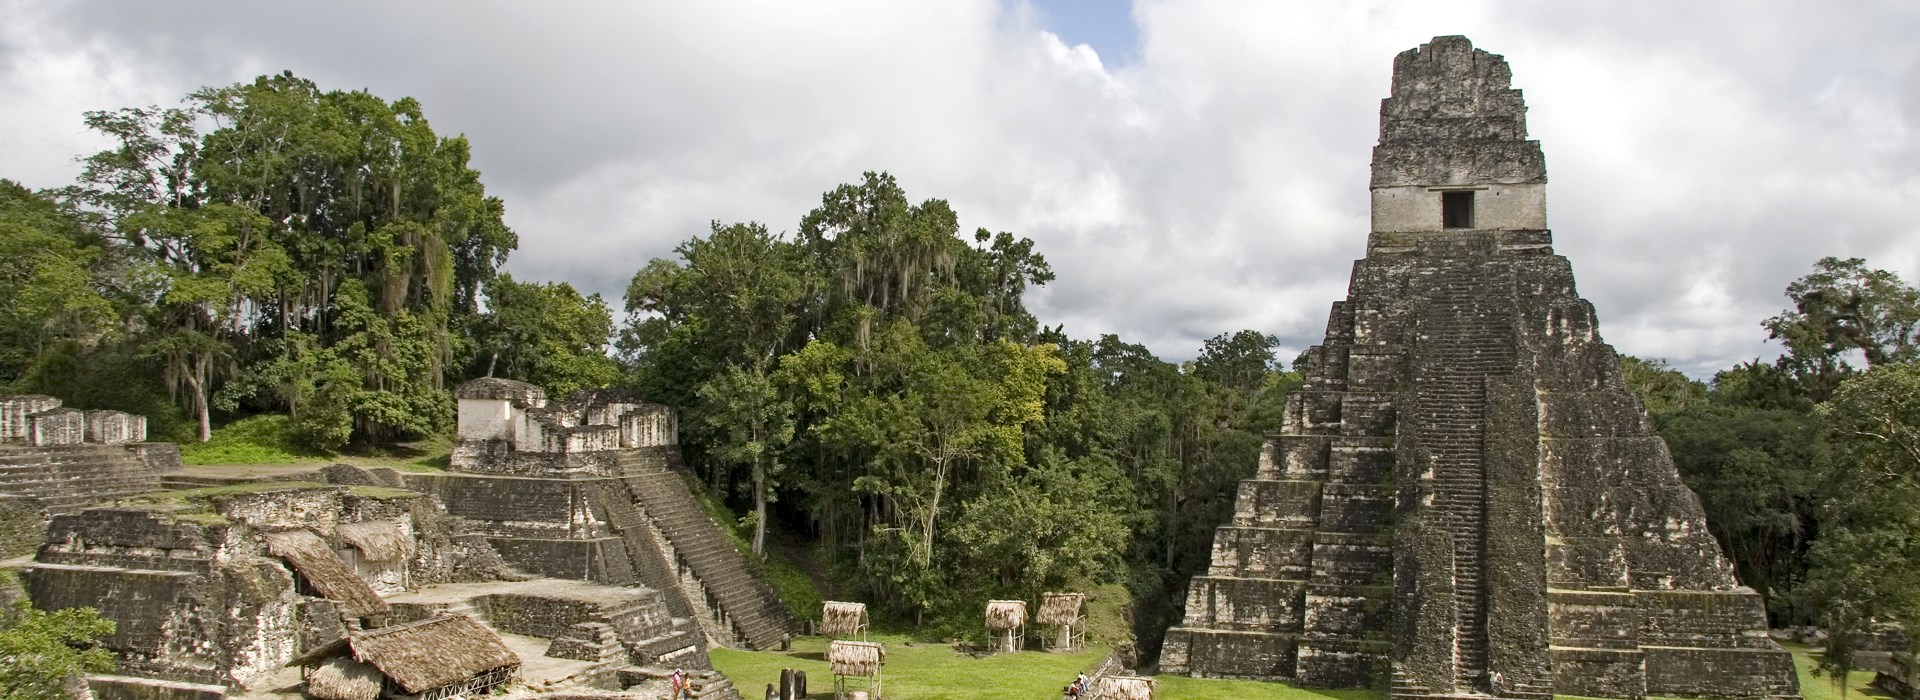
x=604 y=503
x=191 y=599
x=15 y=412
x=59 y=426
x=509 y=427
x=1464 y=489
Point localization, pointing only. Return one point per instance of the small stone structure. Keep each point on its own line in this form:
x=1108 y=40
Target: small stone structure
x=40 y=421
x=1466 y=499
x=591 y=489
x=58 y=460
x=509 y=427
x=16 y=415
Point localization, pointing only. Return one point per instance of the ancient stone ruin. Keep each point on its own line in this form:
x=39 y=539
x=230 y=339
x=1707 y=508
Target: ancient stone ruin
x=1466 y=500
x=590 y=488
x=57 y=460
x=342 y=576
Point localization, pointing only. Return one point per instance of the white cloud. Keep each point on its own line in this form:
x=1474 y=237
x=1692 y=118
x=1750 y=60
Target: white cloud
x=1702 y=155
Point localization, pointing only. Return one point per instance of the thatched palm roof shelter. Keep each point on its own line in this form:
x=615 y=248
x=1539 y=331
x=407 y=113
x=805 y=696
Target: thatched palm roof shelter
x=429 y=659
x=1122 y=688
x=378 y=540
x=856 y=658
x=839 y=619
x=329 y=576
x=1060 y=608
x=1006 y=614
x=342 y=678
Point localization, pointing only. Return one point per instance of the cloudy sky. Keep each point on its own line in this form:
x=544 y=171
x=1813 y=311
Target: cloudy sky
x=1188 y=168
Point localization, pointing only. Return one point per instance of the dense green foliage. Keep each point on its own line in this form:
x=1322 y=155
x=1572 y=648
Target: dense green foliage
x=1809 y=467
x=877 y=381
x=271 y=247
x=42 y=652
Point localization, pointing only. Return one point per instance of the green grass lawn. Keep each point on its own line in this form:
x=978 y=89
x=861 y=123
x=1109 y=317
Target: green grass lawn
x=1184 y=688
x=926 y=671
x=267 y=439
x=921 y=671
x=937 y=672
x=1814 y=687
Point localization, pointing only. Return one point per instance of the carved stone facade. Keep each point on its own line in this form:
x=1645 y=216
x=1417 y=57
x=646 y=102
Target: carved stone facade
x=1466 y=499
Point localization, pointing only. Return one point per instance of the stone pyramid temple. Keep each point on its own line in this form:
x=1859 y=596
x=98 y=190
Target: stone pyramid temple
x=1466 y=500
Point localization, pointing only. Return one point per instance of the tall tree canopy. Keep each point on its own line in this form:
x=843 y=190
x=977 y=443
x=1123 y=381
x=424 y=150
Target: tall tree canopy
x=312 y=250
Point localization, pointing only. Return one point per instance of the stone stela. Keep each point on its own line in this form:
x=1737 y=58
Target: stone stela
x=1466 y=500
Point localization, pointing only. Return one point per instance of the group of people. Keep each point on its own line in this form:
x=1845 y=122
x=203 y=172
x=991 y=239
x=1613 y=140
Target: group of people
x=681 y=685
x=1078 y=688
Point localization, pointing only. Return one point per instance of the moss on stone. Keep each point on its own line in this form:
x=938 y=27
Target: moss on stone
x=382 y=492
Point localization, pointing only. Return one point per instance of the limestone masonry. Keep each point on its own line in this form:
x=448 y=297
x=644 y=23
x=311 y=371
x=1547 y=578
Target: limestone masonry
x=590 y=488
x=352 y=582
x=1466 y=500
x=57 y=460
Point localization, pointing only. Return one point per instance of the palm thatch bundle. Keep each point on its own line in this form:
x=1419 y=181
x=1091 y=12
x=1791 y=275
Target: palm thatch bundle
x=424 y=655
x=1060 y=608
x=341 y=678
x=378 y=540
x=842 y=619
x=1006 y=614
x=316 y=562
x=856 y=658
x=1122 y=688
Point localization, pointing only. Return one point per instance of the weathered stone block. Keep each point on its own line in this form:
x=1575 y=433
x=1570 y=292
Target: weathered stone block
x=1245 y=604
x=1599 y=673
x=1262 y=553
x=1361 y=509
x=1369 y=371
x=1366 y=414
x=1360 y=461
x=1684 y=672
x=1350 y=612
x=1283 y=504
x=579 y=560
x=1340 y=663
x=59 y=426
x=1304 y=456
x=1230 y=654
x=1593 y=619
x=1729 y=619
x=1352 y=560
x=1587 y=562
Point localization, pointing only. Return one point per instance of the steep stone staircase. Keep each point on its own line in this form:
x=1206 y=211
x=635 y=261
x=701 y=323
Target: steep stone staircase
x=755 y=614
x=1465 y=336
x=67 y=478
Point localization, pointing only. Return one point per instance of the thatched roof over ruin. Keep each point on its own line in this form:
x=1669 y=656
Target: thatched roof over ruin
x=378 y=540
x=342 y=678
x=1060 y=608
x=856 y=658
x=421 y=656
x=1006 y=614
x=1122 y=688
x=837 y=618
x=317 y=563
